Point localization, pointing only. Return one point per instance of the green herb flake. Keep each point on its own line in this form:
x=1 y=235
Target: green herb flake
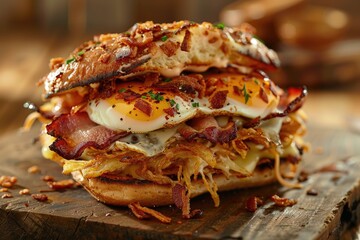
x=172 y=102
x=177 y=107
x=256 y=81
x=219 y=26
x=195 y=104
x=258 y=38
x=246 y=94
x=81 y=53
x=156 y=96
x=121 y=90
x=70 y=60
x=167 y=80
x=144 y=97
x=164 y=38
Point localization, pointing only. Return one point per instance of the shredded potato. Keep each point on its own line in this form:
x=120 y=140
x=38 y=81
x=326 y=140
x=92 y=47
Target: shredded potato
x=185 y=162
x=278 y=176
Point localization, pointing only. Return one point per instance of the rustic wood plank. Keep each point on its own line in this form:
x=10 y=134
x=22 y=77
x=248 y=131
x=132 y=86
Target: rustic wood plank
x=74 y=214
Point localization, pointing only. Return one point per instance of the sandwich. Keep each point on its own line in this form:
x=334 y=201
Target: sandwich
x=163 y=113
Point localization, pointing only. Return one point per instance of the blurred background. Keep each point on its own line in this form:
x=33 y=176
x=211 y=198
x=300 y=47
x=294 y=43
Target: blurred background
x=318 y=42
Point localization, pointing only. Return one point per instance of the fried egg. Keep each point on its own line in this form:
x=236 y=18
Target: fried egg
x=247 y=97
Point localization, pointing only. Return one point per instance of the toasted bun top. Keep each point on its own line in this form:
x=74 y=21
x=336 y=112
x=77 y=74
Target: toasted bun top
x=167 y=49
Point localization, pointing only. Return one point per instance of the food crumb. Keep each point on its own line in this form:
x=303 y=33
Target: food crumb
x=7 y=181
x=107 y=214
x=24 y=191
x=312 y=192
x=283 y=202
x=40 y=197
x=303 y=176
x=48 y=178
x=4 y=189
x=33 y=169
x=252 y=203
x=336 y=177
x=63 y=184
x=7 y=195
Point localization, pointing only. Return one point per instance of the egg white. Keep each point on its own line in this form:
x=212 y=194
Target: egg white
x=103 y=113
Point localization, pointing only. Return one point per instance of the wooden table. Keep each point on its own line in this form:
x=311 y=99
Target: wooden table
x=24 y=60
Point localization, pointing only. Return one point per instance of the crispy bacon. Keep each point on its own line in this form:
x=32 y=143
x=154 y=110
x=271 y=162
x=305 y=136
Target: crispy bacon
x=151 y=79
x=252 y=203
x=76 y=132
x=181 y=199
x=244 y=135
x=128 y=95
x=185 y=45
x=137 y=212
x=143 y=106
x=169 y=47
x=144 y=212
x=252 y=123
x=218 y=99
x=189 y=85
x=263 y=95
x=283 y=202
x=293 y=106
x=170 y=111
x=61 y=185
x=209 y=129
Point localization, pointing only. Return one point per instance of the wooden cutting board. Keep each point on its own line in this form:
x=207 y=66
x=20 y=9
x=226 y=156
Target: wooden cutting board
x=75 y=214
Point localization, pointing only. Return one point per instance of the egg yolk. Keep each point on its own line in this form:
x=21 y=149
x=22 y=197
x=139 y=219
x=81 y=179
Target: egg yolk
x=157 y=101
x=248 y=90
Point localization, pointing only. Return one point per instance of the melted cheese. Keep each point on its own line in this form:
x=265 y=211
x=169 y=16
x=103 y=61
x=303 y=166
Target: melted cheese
x=256 y=153
x=149 y=144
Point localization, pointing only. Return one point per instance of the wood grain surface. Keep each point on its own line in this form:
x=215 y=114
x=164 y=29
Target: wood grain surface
x=75 y=214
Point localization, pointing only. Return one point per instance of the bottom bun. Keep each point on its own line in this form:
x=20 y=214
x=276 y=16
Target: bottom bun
x=122 y=193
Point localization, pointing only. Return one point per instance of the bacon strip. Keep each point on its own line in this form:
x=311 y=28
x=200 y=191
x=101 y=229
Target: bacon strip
x=209 y=129
x=283 y=202
x=185 y=45
x=218 y=99
x=144 y=212
x=170 y=48
x=143 y=106
x=182 y=201
x=293 y=106
x=188 y=85
x=76 y=132
x=128 y=95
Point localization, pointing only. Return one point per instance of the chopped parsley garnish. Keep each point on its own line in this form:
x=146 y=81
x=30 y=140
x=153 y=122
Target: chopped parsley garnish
x=121 y=90
x=258 y=38
x=177 y=107
x=143 y=96
x=70 y=60
x=219 y=26
x=256 y=81
x=167 y=79
x=195 y=104
x=246 y=94
x=156 y=96
x=81 y=53
x=164 y=38
x=172 y=102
